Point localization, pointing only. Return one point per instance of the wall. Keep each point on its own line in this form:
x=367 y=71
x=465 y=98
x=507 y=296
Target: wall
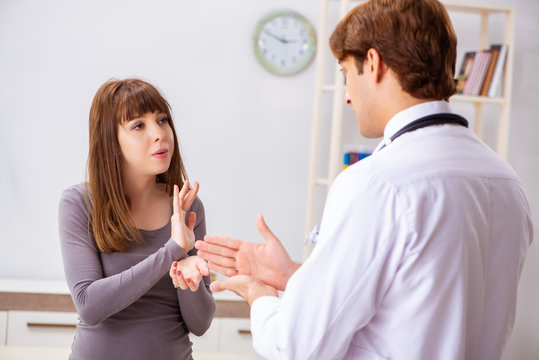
x=244 y=133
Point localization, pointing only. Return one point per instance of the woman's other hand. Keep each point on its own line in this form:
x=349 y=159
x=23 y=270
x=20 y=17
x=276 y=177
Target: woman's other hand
x=188 y=272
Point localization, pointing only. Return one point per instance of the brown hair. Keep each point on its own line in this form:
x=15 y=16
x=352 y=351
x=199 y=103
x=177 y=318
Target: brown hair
x=414 y=38
x=115 y=102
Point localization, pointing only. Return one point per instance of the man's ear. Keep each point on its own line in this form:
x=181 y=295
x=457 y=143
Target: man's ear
x=376 y=66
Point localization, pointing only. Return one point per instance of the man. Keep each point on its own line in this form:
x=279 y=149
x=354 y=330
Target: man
x=421 y=245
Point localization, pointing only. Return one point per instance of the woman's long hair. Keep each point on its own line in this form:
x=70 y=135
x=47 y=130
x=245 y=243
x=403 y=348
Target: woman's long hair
x=109 y=217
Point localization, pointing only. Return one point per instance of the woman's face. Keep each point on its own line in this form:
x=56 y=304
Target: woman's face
x=147 y=145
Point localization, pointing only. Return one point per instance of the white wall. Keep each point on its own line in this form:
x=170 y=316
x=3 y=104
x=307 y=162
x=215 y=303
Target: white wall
x=244 y=133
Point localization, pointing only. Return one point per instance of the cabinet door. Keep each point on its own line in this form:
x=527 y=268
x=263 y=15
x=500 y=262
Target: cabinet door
x=209 y=342
x=36 y=328
x=236 y=336
x=3 y=327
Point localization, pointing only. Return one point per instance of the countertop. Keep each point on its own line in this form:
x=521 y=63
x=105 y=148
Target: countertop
x=44 y=353
x=53 y=295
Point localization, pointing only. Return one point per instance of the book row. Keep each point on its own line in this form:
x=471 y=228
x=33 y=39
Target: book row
x=481 y=72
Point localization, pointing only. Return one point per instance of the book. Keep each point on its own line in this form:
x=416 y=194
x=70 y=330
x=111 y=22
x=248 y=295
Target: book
x=474 y=73
x=485 y=60
x=495 y=89
x=465 y=69
x=490 y=71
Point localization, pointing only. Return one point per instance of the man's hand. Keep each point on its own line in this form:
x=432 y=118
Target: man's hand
x=268 y=262
x=245 y=286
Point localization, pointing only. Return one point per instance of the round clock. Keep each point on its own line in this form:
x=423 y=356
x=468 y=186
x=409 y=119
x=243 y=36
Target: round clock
x=284 y=42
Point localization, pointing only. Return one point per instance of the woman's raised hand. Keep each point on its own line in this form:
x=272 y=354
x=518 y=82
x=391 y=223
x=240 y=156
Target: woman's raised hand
x=182 y=229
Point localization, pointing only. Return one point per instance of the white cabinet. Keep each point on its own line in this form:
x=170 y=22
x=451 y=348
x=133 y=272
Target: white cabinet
x=236 y=336
x=3 y=327
x=209 y=342
x=226 y=335
x=37 y=328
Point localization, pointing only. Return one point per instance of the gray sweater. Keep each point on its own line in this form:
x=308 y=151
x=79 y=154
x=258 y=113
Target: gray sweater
x=127 y=305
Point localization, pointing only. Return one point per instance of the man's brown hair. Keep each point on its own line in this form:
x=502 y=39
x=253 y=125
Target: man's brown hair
x=414 y=38
x=115 y=102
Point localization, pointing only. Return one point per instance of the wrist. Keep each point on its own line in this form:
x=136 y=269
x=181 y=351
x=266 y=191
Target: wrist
x=292 y=268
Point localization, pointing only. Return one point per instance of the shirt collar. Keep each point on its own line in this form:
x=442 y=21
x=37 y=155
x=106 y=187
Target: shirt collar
x=406 y=116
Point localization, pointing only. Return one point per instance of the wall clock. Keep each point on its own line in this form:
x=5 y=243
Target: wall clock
x=284 y=42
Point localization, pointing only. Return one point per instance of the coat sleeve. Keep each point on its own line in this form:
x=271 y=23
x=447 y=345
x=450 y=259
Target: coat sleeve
x=97 y=297
x=337 y=290
x=197 y=308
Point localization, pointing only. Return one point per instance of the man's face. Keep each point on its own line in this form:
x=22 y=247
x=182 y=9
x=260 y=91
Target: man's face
x=360 y=95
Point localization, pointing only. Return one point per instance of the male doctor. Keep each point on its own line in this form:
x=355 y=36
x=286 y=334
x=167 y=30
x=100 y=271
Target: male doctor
x=421 y=245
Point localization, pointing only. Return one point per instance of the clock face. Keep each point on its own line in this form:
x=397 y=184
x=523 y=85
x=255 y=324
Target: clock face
x=284 y=42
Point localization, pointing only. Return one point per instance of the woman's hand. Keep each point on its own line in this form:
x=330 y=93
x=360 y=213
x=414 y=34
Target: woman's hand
x=182 y=230
x=188 y=272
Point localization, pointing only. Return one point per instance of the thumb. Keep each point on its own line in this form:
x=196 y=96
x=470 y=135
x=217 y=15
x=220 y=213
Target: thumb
x=203 y=268
x=191 y=220
x=264 y=230
x=219 y=285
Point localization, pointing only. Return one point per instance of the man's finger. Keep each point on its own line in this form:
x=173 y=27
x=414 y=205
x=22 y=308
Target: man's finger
x=223 y=241
x=217 y=259
x=264 y=230
x=216 y=249
x=222 y=270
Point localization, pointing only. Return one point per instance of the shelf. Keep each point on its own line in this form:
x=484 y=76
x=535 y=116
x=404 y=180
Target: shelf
x=478 y=99
x=475 y=8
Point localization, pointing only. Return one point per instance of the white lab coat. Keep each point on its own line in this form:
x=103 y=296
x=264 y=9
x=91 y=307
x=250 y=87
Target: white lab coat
x=420 y=249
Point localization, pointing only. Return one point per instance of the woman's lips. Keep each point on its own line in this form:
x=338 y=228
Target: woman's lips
x=161 y=153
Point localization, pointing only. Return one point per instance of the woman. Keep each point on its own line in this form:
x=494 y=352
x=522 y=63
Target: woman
x=119 y=240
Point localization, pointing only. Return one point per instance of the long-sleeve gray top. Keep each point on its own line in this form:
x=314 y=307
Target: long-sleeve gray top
x=127 y=305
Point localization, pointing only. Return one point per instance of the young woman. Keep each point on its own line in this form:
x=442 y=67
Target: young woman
x=121 y=231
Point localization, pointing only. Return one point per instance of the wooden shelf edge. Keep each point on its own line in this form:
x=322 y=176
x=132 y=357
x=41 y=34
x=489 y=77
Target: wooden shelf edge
x=478 y=99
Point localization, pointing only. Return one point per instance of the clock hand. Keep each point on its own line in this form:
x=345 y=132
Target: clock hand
x=275 y=36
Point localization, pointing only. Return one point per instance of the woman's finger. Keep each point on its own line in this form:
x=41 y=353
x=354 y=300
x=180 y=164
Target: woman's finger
x=203 y=268
x=182 y=283
x=190 y=197
x=194 y=281
x=175 y=200
x=183 y=193
x=173 y=267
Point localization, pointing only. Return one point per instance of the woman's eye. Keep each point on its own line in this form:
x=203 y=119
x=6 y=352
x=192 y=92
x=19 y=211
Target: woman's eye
x=163 y=120
x=137 y=126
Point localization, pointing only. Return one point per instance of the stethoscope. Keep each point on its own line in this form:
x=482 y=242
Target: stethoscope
x=430 y=120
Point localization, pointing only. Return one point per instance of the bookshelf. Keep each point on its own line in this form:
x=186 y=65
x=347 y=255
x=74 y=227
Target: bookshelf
x=335 y=148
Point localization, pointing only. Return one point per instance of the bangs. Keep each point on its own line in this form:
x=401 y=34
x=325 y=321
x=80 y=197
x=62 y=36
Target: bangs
x=134 y=98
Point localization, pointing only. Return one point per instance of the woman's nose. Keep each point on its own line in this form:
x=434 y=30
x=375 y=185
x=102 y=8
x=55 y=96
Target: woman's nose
x=157 y=133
